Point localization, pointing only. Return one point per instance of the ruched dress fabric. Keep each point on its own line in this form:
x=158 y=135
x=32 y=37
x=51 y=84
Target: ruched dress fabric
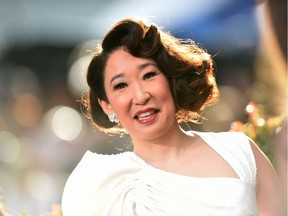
x=124 y=184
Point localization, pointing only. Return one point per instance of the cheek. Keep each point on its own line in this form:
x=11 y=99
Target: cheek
x=163 y=90
x=119 y=103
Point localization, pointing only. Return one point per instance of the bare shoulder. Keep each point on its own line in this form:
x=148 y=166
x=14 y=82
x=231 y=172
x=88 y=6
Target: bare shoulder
x=268 y=186
x=203 y=152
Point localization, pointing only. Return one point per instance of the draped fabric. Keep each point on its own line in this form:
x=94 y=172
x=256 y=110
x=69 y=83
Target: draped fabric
x=124 y=184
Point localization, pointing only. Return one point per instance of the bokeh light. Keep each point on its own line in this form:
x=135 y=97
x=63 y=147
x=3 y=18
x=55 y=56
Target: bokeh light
x=27 y=110
x=10 y=147
x=260 y=122
x=250 y=108
x=24 y=80
x=77 y=76
x=43 y=63
x=66 y=123
x=39 y=184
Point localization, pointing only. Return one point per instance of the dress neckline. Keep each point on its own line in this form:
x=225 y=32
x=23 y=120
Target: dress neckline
x=148 y=166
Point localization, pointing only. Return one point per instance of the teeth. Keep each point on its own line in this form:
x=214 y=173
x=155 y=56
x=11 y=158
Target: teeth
x=145 y=115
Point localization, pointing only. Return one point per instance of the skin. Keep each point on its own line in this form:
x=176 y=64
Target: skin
x=135 y=86
x=268 y=186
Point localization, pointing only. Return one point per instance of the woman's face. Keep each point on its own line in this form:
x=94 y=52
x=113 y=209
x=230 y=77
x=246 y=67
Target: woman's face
x=139 y=94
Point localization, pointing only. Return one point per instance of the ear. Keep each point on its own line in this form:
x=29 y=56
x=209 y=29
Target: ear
x=105 y=106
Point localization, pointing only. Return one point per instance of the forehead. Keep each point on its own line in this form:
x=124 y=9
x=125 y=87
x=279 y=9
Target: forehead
x=120 y=61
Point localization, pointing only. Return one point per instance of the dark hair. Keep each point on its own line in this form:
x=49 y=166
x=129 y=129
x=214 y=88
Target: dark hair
x=187 y=67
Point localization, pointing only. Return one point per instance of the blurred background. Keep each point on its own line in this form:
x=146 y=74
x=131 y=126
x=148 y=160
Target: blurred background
x=45 y=47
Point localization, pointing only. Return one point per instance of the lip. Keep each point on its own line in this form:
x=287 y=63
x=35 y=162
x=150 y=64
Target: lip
x=144 y=111
x=150 y=118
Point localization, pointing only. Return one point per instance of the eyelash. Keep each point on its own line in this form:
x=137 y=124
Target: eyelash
x=146 y=76
x=120 y=86
x=149 y=75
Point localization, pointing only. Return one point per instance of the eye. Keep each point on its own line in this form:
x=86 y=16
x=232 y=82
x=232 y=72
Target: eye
x=120 y=86
x=149 y=75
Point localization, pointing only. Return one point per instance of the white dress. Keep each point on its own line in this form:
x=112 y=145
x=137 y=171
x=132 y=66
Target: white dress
x=125 y=185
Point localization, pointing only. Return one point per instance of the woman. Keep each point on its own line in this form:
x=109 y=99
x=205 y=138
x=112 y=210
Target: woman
x=146 y=81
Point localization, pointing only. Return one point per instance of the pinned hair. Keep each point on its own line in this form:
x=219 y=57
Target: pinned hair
x=188 y=68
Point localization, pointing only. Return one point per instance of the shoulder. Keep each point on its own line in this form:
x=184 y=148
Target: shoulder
x=92 y=165
x=259 y=169
x=268 y=184
x=236 y=149
x=92 y=172
x=233 y=143
x=225 y=138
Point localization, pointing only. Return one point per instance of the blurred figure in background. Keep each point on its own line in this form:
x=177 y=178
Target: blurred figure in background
x=276 y=42
x=273 y=76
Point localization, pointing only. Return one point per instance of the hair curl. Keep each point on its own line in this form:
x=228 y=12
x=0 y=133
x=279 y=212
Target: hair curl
x=188 y=68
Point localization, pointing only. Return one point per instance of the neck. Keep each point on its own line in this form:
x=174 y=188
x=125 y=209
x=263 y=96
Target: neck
x=163 y=148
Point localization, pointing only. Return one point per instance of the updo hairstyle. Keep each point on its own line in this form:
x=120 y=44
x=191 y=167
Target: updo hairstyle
x=188 y=68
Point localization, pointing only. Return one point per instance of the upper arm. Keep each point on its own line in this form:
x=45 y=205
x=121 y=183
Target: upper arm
x=268 y=187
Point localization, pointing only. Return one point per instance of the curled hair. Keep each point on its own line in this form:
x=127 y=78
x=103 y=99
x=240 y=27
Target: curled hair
x=188 y=68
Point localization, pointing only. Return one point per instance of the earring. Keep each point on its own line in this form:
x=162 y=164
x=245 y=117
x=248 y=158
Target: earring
x=113 y=118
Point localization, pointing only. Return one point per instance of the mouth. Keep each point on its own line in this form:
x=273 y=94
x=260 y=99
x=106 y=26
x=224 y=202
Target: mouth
x=144 y=115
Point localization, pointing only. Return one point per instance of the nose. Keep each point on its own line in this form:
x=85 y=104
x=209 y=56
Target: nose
x=140 y=95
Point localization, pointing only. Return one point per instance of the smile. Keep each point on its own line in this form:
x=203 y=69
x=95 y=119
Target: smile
x=146 y=116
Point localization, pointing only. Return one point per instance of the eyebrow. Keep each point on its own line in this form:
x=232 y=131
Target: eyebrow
x=116 y=77
x=141 y=67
